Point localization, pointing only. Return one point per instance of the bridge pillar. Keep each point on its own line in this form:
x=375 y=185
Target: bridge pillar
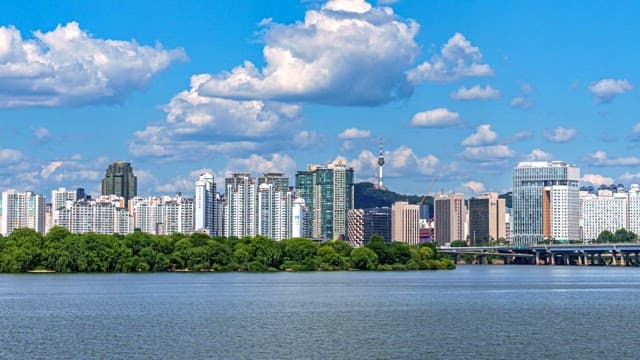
x=637 y=259
x=614 y=261
x=622 y=262
x=580 y=259
x=601 y=260
x=553 y=258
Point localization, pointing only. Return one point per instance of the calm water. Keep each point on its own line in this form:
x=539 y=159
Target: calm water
x=480 y=312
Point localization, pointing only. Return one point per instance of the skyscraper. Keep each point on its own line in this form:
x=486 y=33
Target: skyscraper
x=328 y=196
x=486 y=219
x=545 y=202
x=405 y=222
x=205 y=205
x=119 y=180
x=450 y=218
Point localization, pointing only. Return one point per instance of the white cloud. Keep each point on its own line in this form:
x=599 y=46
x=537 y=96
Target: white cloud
x=520 y=102
x=560 y=134
x=439 y=117
x=492 y=152
x=457 y=59
x=606 y=89
x=50 y=168
x=476 y=93
x=41 y=133
x=9 y=156
x=259 y=164
x=635 y=132
x=197 y=125
x=346 y=53
x=354 y=133
x=597 y=179
x=475 y=186
x=483 y=136
x=539 y=155
x=68 y=66
x=600 y=158
x=519 y=136
x=630 y=177
x=402 y=161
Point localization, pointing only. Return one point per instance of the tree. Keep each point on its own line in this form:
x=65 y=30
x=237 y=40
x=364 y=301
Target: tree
x=458 y=243
x=364 y=258
x=379 y=246
x=605 y=237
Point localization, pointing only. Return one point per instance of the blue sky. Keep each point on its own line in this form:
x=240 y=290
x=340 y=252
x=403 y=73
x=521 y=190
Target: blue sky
x=459 y=91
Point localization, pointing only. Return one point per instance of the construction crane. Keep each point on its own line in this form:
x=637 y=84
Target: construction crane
x=429 y=189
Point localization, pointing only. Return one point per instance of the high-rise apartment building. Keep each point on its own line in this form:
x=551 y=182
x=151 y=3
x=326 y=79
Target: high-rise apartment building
x=486 y=219
x=119 y=180
x=298 y=213
x=364 y=223
x=59 y=198
x=22 y=210
x=545 y=202
x=274 y=211
x=207 y=205
x=405 y=223
x=240 y=206
x=605 y=211
x=328 y=196
x=105 y=215
x=450 y=218
x=178 y=215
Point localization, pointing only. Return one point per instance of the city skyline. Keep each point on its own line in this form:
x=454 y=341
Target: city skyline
x=453 y=97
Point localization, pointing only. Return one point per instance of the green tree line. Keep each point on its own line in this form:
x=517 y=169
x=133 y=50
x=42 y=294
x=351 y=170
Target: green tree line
x=61 y=251
x=620 y=236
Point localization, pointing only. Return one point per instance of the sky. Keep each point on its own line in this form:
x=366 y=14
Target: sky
x=459 y=92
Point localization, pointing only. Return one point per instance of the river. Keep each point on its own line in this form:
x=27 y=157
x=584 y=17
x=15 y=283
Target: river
x=475 y=312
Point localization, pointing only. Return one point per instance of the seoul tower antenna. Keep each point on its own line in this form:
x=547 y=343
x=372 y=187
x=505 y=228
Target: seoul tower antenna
x=380 y=163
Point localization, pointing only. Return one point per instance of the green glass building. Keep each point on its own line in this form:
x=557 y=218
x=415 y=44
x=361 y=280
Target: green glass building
x=328 y=195
x=119 y=180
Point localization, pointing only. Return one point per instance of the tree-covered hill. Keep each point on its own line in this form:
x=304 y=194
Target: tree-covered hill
x=367 y=196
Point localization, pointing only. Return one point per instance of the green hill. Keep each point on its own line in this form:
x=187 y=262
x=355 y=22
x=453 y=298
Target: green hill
x=367 y=196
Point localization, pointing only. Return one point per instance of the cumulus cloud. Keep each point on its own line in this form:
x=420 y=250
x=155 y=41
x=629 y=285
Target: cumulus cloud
x=438 y=118
x=457 y=59
x=630 y=177
x=345 y=53
x=606 y=90
x=483 y=153
x=197 y=124
x=560 y=134
x=519 y=136
x=476 y=92
x=600 y=158
x=483 y=136
x=68 y=66
x=402 y=161
x=475 y=186
x=596 y=179
x=539 y=155
x=354 y=133
x=258 y=164
x=520 y=102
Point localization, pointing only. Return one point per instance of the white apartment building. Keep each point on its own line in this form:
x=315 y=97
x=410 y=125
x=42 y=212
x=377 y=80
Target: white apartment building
x=240 y=207
x=207 y=211
x=22 y=210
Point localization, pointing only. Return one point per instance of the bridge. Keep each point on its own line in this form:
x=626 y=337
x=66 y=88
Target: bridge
x=622 y=254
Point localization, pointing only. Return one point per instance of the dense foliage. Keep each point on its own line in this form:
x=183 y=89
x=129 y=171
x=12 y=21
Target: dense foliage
x=367 y=196
x=25 y=250
x=620 y=236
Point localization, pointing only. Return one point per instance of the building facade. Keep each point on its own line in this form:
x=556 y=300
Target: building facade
x=364 y=223
x=405 y=223
x=486 y=219
x=22 y=210
x=206 y=204
x=240 y=206
x=119 y=180
x=328 y=196
x=545 y=202
x=450 y=215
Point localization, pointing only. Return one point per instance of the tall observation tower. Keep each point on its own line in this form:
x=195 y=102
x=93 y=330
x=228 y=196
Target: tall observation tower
x=380 y=163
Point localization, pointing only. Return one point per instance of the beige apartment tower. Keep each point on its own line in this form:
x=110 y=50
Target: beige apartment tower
x=405 y=223
x=450 y=218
